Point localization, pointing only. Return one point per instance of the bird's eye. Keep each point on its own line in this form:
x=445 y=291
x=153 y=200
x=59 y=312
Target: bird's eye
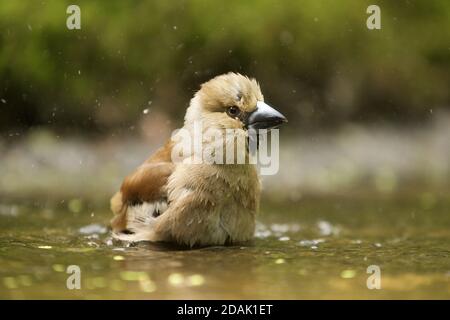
x=233 y=111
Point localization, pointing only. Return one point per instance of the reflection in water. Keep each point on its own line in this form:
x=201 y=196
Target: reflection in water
x=315 y=249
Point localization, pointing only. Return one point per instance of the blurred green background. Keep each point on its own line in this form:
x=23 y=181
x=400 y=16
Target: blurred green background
x=315 y=60
x=365 y=107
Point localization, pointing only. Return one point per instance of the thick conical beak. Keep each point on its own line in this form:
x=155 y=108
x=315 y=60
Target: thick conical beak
x=265 y=117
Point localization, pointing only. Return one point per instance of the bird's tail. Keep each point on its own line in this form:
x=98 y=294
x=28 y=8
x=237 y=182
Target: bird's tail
x=138 y=222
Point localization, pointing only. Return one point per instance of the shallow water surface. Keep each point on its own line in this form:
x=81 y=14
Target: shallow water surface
x=312 y=248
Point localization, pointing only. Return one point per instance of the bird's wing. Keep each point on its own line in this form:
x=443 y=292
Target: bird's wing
x=142 y=197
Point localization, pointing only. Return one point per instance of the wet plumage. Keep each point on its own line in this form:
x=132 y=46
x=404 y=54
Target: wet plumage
x=198 y=204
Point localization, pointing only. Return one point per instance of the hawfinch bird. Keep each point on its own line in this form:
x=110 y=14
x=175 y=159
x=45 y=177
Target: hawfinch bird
x=193 y=203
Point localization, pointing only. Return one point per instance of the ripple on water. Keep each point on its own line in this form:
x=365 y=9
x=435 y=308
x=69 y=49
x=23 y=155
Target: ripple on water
x=91 y=229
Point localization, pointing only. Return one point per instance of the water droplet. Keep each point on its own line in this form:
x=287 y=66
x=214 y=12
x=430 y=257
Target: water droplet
x=175 y=279
x=196 y=280
x=58 y=267
x=348 y=274
x=327 y=229
x=94 y=228
x=313 y=242
x=45 y=247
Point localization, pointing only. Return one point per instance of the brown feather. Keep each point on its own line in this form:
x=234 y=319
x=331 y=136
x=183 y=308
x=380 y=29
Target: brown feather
x=146 y=184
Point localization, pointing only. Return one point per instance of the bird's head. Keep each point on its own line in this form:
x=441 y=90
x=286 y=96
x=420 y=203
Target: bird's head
x=232 y=101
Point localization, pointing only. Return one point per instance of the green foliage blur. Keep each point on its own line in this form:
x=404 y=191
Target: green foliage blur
x=316 y=60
